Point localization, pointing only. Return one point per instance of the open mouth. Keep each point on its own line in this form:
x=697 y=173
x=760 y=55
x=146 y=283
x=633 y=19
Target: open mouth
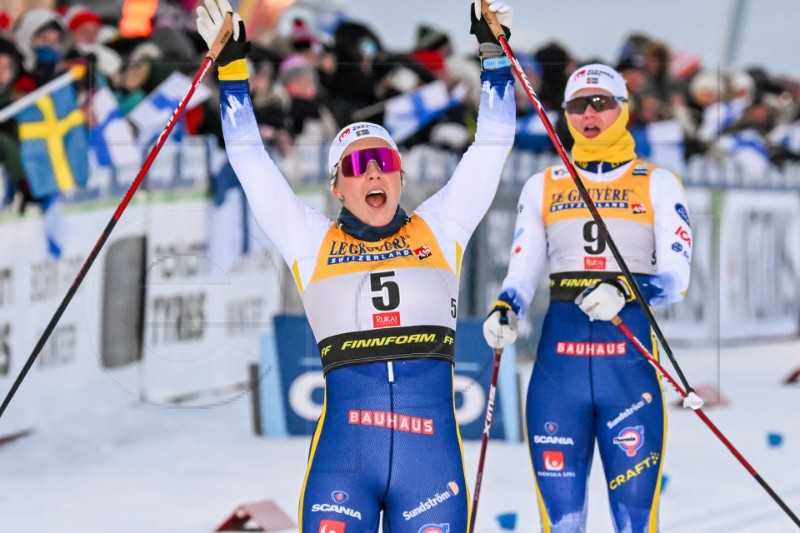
x=591 y=131
x=376 y=198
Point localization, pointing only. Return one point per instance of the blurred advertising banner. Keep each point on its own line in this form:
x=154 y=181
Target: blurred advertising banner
x=291 y=384
x=759 y=279
x=745 y=268
x=153 y=320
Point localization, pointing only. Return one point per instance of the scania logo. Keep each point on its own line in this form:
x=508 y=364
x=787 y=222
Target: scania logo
x=551 y=439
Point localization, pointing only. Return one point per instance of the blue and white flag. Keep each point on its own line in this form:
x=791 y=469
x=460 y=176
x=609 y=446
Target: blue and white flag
x=112 y=139
x=55 y=227
x=531 y=133
x=661 y=143
x=406 y=114
x=749 y=151
x=719 y=116
x=229 y=227
x=53 y=143
x=152 y=114
x=787 y=136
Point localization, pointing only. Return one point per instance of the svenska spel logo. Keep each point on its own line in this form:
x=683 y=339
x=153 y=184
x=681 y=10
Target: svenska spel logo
x=553 y=460
x=331 y=526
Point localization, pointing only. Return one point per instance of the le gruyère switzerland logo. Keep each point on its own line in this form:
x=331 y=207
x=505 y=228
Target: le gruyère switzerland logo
x=346 y=252
x=603 y=198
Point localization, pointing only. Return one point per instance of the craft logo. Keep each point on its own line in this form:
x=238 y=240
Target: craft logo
x=331 y=526
x=386 y=320
x=580 y=74
x=630 y=439
x=648 y=462
x=594 y=263
x=344 y=134
x=339 y=496
x=553 y=461
x=638 y=209
x=423 y=252
x=390 y=420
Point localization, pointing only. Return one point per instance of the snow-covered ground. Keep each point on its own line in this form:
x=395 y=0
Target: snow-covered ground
x=120 y=466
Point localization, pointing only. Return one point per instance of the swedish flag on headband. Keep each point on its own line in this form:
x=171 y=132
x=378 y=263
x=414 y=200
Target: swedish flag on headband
x=53 y=143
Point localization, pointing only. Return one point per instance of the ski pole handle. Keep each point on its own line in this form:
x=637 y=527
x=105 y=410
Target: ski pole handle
x=492 y=22
x=225 y=34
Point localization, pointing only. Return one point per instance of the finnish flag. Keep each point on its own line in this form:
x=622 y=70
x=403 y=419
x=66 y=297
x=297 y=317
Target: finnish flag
x=531 y=133
x=661 y=143
x=406 y=114
x=153 y=113
x=112 y=139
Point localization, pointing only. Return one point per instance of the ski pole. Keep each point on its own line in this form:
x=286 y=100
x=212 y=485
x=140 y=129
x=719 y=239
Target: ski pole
x=617 y=321
x=498 y=32
x=487 y=426
x=224 y=36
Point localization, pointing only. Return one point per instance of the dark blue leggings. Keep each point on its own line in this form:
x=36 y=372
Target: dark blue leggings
x=387 y=442
x=589 y=385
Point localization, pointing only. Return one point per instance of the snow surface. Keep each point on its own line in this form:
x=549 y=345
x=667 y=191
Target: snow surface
x=118 y=465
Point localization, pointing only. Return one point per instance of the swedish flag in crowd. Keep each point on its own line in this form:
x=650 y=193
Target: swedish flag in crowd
x=53 y=143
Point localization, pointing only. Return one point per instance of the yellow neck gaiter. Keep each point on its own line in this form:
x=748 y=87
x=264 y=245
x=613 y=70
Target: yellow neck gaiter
x=615 y=145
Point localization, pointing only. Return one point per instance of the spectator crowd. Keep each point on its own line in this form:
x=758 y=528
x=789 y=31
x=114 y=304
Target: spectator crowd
x=308 y=82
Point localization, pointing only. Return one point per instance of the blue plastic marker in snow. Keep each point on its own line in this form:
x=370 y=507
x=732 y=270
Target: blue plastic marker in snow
x=507 y=521
x=774 y=439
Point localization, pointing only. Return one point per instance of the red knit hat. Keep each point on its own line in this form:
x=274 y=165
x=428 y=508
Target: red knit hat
x=77 y=15
x=302 y=36
x=5 y=20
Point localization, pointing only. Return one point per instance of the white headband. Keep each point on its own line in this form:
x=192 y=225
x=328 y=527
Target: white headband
x=351 y=133
x=596 y=76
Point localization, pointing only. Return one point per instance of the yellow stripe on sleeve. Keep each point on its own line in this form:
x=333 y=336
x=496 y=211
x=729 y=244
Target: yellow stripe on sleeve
x=233 y=71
